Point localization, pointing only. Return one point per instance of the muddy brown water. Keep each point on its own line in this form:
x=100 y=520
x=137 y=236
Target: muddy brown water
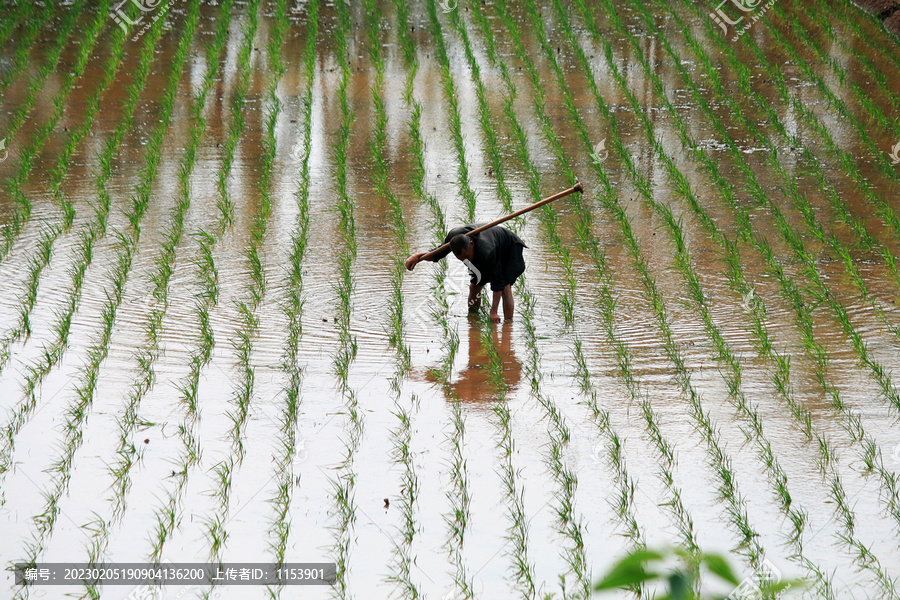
x=487 y=555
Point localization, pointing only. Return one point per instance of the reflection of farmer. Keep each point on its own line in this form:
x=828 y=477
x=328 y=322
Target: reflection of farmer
x=476 y=382
x=493 y=256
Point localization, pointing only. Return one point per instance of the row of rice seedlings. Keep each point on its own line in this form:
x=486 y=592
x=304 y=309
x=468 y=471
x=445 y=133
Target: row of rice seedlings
x=719 y=460
x=817 y=352
x=870 y=454
x=223 y=471
x=343 y=484
x=401 y=434
x=514 y=493
x=569 y=524
x=224 y=203
x=409 y=485
x=378 y=148
x=12 y=21
x=458 y=496
x=256 y=287
x=79 y=410
x=454 y=115
x=285 y=476
x=484 y=118
x=26 y=39
x=876 y=155
x=39 y=369
x=191 y=452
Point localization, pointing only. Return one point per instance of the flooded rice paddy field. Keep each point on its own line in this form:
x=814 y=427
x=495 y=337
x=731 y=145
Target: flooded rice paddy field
x=211 y=350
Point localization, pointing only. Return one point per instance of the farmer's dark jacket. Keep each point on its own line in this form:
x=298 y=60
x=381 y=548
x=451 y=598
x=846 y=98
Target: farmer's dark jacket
x=498 y=255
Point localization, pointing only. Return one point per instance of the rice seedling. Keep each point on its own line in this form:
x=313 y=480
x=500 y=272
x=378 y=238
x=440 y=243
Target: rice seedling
x=224 y=202
x=451 y=95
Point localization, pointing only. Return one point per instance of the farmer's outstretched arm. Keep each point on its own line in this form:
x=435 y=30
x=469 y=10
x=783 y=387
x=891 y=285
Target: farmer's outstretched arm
x=495 y=303
x=413 y=260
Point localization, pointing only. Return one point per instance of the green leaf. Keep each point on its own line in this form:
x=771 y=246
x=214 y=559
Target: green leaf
x=629 y=571
x=720 y=567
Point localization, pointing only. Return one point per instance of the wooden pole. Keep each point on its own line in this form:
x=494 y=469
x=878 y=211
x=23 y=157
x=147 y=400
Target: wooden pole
x=578 y=187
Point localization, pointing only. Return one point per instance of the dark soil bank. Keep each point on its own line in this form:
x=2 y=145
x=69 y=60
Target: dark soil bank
x=886 y=10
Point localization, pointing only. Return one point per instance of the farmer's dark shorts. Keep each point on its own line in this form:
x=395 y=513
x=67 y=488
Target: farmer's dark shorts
x=515 y=266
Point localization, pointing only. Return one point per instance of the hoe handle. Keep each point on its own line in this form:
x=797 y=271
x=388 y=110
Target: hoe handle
x=578 y=187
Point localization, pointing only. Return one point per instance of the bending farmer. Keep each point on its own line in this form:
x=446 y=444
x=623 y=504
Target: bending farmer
x=493 y=256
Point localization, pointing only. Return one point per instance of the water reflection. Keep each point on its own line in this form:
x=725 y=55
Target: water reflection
x=474 y=383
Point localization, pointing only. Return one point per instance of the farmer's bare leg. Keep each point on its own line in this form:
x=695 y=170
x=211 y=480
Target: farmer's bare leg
x=508 y=304
x=474 y=297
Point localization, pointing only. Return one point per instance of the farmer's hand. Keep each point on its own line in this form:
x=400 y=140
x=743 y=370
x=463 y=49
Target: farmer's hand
x=413 y=260
x=495 y=317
